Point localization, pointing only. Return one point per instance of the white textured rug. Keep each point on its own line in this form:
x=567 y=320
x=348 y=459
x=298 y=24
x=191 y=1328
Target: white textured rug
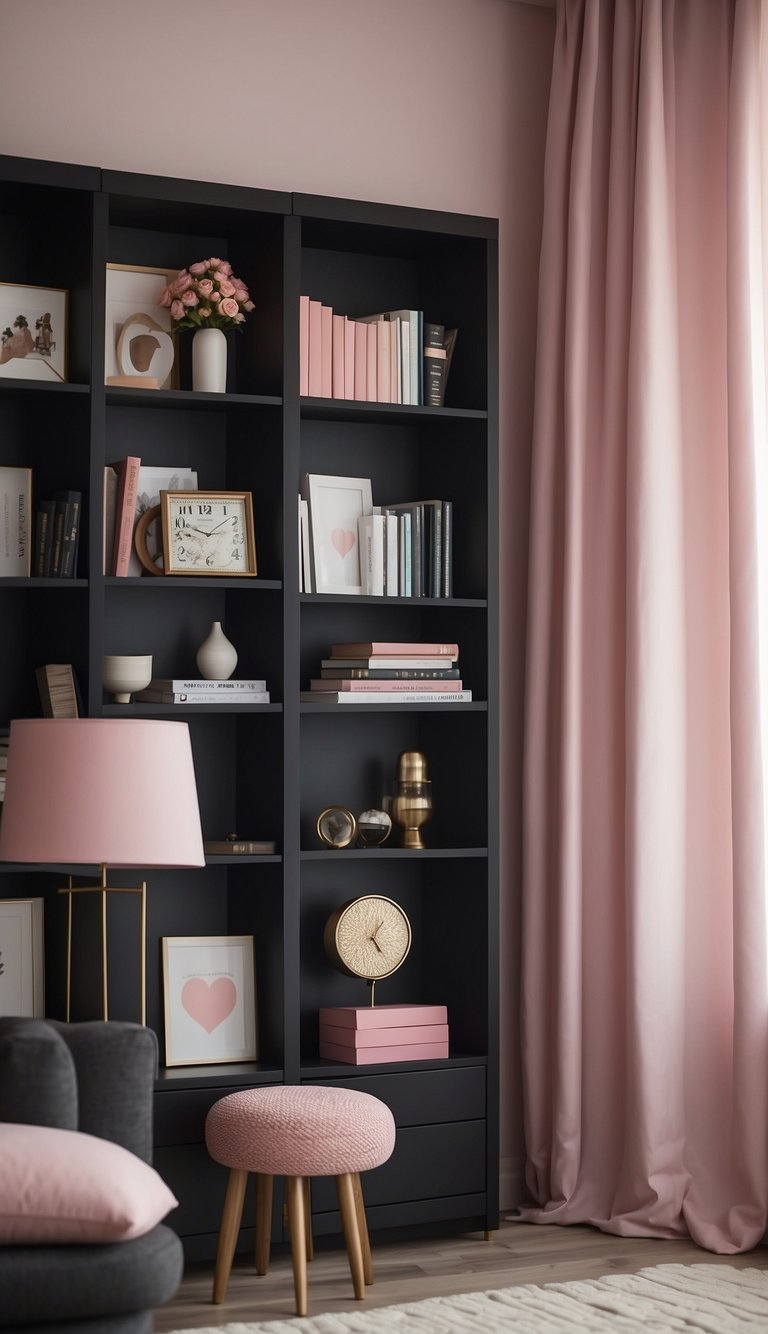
x=667 y=1299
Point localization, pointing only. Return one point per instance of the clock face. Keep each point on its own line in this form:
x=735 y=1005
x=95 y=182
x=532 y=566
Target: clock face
x=208 y=533
x=368 y=937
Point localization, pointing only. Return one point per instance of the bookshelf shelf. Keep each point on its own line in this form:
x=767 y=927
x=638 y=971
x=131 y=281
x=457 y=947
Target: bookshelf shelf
x=267 y=770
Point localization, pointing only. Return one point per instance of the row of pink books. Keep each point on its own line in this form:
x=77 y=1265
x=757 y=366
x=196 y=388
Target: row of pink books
x=389 y=673
x=373 y=358
x=368 y=1035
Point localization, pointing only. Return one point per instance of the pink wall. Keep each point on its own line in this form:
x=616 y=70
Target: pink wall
x=440 y=105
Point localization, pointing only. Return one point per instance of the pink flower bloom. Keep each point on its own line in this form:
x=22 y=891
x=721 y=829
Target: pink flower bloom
x=204 y=312
x=165 y=298
x=213 y=264
x=177 y=310
x=189 y=298
x=241 y=294
x=239 y=319
x=225 y=266
x=198 y=269
x=215 y=296
x=181 y=284
x=227 y=288
x=204 y=287
x=228 y=307
x=248 y=305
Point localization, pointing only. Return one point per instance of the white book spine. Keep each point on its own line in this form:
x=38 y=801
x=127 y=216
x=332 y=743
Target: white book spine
x=306 y=551
x=392 y=579
x=371 y=538
x=15 y=508
x=405 y=361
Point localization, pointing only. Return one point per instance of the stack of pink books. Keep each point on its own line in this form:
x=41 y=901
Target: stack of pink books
x=368 y=1035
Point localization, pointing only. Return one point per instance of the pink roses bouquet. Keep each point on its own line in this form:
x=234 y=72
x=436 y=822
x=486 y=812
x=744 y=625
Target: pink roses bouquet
x=207 y=295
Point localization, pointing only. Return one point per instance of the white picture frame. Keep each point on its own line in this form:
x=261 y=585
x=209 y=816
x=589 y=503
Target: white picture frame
x=22 y=972
x=209 y=997
x=33 y=332
x=133 y=291
x=335 y=505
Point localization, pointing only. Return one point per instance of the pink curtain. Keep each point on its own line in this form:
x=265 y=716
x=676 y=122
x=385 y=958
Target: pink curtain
x=645 y=991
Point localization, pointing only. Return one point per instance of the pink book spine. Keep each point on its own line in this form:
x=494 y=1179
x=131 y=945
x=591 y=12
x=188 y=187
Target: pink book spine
x=414 y=1051
x=384 y=1037
x=304 y=345
x=383 y=367
x=373 y=358
x=364 y=685
x=382 y=648
x=382 y=1016
x=361 y=340
x=326 y=363
x=337 y=372
x=125 y=509
x=349 y=358
x=315 y=350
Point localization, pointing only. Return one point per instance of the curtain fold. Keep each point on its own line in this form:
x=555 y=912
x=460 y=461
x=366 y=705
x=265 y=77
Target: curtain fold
x=644 y=985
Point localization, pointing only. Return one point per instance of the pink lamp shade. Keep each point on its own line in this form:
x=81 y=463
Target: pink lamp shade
x=106 y=791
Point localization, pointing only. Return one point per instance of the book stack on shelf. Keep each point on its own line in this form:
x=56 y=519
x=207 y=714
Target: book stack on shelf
x=177 y=690
x=367 y=1035
x=392 y=357
x=389 y=673
x=57 y=535
x=404 y=549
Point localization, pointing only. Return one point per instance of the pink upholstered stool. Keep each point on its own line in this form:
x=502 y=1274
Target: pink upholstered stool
x=297 y=1132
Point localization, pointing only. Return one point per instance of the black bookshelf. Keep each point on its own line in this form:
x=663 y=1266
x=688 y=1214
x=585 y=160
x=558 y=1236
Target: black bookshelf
x=267 y=771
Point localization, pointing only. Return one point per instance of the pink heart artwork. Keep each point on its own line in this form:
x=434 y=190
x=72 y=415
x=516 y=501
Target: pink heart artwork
x=343 y=540
x=209 y=1003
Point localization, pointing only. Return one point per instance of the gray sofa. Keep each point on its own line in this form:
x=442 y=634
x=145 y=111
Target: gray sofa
x=94 y=1077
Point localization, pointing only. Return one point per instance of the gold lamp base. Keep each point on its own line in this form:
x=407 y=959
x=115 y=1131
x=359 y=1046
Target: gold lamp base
x=104 y=889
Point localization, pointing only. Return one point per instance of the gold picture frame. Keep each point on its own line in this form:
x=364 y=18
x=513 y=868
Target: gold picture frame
x=208 y=533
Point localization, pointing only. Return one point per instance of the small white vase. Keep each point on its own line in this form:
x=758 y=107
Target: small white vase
x=216 y=656
x=123 y=673
x=209 y=361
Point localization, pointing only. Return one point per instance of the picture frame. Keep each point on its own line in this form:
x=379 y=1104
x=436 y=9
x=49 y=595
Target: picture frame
x=33 y=332
x=153 y=480
x=207 y=533
x=335 y=505
x=22 y=972
x=209 y=1000
x=132 y=307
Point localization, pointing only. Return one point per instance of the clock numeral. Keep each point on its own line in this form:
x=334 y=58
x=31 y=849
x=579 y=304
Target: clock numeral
x=235 y=553
x=185 y=509
x=181 y=553
x=209 y=561
x=205 y=509
x=181 y=523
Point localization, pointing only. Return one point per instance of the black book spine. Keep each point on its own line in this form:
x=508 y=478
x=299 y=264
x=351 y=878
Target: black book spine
x=434 y=364
x=447 y=549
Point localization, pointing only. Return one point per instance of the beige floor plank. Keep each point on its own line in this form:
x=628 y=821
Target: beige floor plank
x=414 y=1270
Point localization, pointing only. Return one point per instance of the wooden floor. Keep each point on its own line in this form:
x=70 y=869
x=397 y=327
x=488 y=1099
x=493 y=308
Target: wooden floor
x=413 y=1270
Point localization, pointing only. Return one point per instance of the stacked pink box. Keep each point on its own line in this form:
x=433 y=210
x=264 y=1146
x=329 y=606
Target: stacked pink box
x=367 y=1035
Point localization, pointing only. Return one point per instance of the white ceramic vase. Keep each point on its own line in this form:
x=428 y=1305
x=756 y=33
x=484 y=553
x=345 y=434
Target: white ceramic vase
x=209 y=361
x=216 y=656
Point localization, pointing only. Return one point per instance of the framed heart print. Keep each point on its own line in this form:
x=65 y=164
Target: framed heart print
x=209 y=995
x=335 y=505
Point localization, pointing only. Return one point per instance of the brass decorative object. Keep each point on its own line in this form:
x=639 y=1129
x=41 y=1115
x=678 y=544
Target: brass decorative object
x=412 y=800
x=373 y=828
x=336 y=827
x=368 y=937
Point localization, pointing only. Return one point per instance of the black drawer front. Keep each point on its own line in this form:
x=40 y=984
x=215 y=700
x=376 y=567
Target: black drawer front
x=180 y=1117
x=428 y=1161
x=424 y=1097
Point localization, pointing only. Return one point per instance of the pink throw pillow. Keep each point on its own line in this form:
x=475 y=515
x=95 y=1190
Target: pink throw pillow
x=64 y=1186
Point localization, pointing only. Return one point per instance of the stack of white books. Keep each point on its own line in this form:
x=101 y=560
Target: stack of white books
x=173 y=690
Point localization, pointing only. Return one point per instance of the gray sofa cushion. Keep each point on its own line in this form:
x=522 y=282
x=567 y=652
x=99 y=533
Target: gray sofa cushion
x=39 y=1283
x=116 y=1065
x=39 y=1080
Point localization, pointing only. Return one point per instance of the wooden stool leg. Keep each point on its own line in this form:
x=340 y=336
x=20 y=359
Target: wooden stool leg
x=362 y=1227
x=294 y=1191
x=230 y=1226
x=308 y=1218
x=263 y=1221
x=346 y=1195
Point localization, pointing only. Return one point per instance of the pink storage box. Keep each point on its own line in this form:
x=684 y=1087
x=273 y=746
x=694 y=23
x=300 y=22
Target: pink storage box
x=383 y=1037
x=410 y=1051
x=383 y=1016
